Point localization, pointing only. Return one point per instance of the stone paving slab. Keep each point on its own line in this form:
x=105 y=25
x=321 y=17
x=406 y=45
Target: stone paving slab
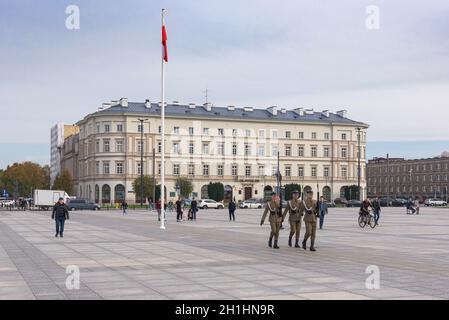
x=129 y=257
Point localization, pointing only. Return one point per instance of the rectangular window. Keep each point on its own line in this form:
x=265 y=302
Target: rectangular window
x=313 y=171
x=288 y=151
x=97 y=167
x=301 y=151
x=234 y=170
x=106 y=146
x=139 y=168
x=205 y=170
x=191 y=131
x=140 y=146
x=159 y=129
x=326 y=152
x=220 y=170
x=288 y=171
x=97 y=146
x=234 y=132
x=176 y=169
x=313 y=152
x=205 y=148
x=343 y=136
x=313 y=135
x=261 y=171
x=288 y=134
x=119 y=168
x=344 y=172
x=118 y=145
x=140 y=128
x=221 y=132
x=261 y=133
x=176 y=148
x=274 y=133
x=248 y=132
x=300 y=171
x=120 y=128
x=191 y=169
x=98 y=128
x=220 y=148
x=159 y=169
x=326 y=136
x=344 y=152
x=107 y=128
x=191 y=148
x=247 y=149
x=301 y=135
x=274 y=150
x=159 y=147
x=175 y=130
x=326 y=171
x=106 y=167
x=261 y=150
x=248 y=171
x=206 y=131
x=234 y=149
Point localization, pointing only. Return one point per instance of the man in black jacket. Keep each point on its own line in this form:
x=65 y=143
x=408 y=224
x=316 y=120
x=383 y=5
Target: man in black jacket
x=231 y=208
x=60 y=214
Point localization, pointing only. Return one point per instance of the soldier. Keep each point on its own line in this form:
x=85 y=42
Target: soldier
x=273 y=207
x=294 y=207
x=310 y=217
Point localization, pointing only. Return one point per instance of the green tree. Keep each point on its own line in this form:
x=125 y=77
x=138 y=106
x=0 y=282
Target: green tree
x=216 y=191
x=20 y=179
x=289 y=188
x=147 y=188
x=64 y=181
x=186 y=186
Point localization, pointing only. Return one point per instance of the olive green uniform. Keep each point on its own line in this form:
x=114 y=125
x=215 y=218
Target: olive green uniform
x=310 y=210
x=295 y=209
x=275 y=218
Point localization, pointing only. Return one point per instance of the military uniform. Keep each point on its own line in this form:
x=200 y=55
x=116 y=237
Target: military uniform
x=273 y=208
x=295 y=209
x=311 y=213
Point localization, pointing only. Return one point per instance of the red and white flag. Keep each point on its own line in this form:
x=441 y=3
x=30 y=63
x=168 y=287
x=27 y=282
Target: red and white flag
x=164 y=42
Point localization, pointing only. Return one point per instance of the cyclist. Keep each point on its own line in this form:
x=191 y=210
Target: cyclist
x=365 y=207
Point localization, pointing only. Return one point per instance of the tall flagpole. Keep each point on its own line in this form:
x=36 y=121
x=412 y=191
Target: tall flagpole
x=163 y=133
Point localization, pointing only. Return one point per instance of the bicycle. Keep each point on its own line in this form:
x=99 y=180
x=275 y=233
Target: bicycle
x=367 y=218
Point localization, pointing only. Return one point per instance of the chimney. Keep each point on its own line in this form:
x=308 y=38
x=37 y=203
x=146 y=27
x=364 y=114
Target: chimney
x=342 y=113
x=208 y=106
x=148 y=104
x=114 y=102
x=124 y=102
x=192 y=106
x=325 y=113
x=309 y=111
x=175 y=103
x=248 y=109
x=273 y=110
x=283 y=110
x=299 y=111
x=231 y=108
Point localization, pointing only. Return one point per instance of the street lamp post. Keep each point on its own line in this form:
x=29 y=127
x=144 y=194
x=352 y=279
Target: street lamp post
x=358 y=163
x=141 y=160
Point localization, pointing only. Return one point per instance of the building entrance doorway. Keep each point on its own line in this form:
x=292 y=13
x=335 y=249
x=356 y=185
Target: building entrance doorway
x=248 y=193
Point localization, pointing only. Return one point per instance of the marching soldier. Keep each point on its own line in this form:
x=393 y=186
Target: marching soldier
x=294 y=207
x=310 y=210
x=273 y=207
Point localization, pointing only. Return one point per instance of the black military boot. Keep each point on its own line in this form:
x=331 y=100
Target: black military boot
x=312 y=247
x=270 y=242
x=304 y=245
x=275 y=244
x=297 y=243
x=290 y=241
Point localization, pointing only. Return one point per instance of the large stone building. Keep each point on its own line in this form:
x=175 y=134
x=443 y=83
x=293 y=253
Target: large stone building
x=235 y=146
x=58 y=134
x=398 y=177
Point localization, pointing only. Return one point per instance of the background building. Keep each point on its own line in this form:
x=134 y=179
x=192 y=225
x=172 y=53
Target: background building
x=398 y=177
x=235 y=146
x=58 y=134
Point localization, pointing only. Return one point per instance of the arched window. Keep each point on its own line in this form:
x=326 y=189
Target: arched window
x=119 y=193
x=106 y=194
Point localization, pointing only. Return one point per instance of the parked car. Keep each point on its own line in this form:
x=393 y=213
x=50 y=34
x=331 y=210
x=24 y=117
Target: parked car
x=209 y=203
x=354 y=203
x=398 y=202
x=82 y=204
x=251 y=204
x=384 y=202
x=341 y=201
x=330 y=204
x=435 y=202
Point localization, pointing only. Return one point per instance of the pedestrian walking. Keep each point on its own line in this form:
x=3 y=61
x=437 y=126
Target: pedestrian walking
x=194 y=208
x=376 y=209
x=417 y=205
x=310 y=216
x=231 y=207
x=179 y=210
x=124 y=207
x=273 y=208
x=322 y=206
x=60 y=214
x=410 y=208
x=295 y=212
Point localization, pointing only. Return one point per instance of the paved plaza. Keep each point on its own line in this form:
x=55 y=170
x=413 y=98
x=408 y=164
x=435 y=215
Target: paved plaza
x=129 y=257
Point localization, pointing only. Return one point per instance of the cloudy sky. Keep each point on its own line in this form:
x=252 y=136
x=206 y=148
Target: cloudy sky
x=311 y=53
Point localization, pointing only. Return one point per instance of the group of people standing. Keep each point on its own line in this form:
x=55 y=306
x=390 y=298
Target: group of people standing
x=308 y=210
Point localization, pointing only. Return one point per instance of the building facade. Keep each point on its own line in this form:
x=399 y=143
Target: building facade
x=235 y=146
x=58 y=134
x=398 y=177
